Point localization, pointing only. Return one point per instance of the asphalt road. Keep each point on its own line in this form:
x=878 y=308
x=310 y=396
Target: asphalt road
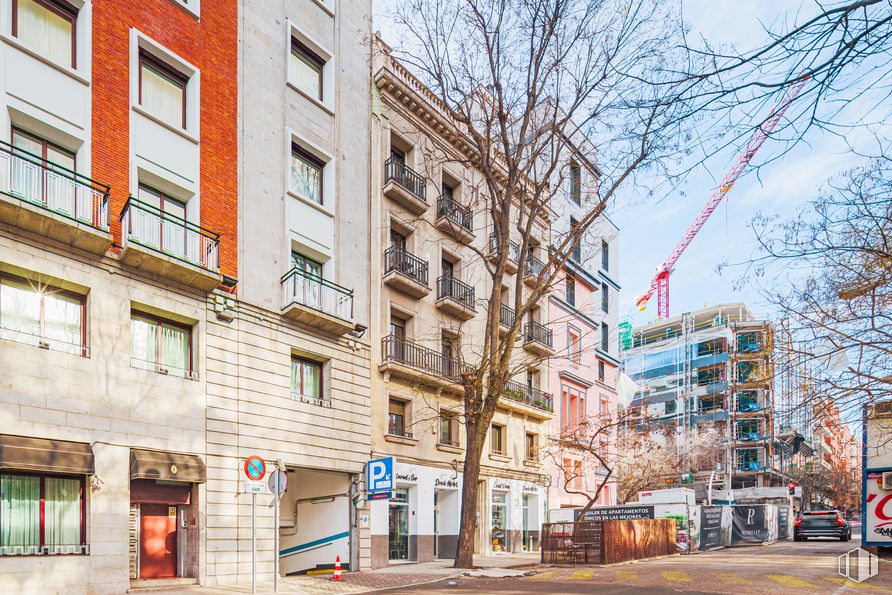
x=779 y=569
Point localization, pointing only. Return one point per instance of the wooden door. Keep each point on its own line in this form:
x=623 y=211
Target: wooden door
x=157 y=541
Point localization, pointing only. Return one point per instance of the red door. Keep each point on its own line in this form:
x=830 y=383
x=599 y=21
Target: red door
x=157 y=541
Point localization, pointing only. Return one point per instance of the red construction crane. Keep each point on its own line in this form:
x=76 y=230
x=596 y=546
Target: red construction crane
x=660 y=282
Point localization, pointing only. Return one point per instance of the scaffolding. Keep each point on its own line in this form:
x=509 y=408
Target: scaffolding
x=711 y=368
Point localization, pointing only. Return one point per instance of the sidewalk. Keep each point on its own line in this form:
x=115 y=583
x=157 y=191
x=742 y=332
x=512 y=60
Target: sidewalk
x=400 y=575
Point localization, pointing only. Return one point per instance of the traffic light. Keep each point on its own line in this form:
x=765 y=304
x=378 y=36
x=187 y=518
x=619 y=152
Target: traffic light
x=791 y=489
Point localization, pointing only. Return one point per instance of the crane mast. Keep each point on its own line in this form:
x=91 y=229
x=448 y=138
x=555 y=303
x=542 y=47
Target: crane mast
x=660 y=282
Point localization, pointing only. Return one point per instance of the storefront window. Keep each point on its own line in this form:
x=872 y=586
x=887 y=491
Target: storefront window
x=498 y=530
x=399 y=525
x=41 y=514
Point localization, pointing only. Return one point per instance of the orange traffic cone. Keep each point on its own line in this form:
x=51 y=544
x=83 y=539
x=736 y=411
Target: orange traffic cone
x=337 y=575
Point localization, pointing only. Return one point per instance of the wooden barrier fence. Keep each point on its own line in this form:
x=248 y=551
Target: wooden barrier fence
x=606 y=542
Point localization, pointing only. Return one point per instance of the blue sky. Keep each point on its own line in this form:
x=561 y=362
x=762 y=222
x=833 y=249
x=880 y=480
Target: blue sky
x=650 y=227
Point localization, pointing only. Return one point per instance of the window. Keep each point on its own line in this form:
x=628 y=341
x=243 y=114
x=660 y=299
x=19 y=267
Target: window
x=306 y=175
x=48 y=28
x=605 y=255
x=573 y=346
x=605 y=407
x=447 y=268
x=532 y=447
x=570 y=290
x=448 y=429
x=162 y=90
x=572 y=408
x=58 y=192
x=37 y=314
x=163 y=226
x=160 y=346
x=671 y=407
x=306 y=381
x=605 y=298
x=576 y=255
x=497 y=439
x=605 y=337
x=575 y=183
x=601 y=371
x=532 y=380
x=42 y=514
x=308 y=67
x=396 y=420
x=572 y=474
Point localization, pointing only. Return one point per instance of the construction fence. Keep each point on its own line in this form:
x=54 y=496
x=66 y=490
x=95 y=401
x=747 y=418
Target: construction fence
x=606 y=542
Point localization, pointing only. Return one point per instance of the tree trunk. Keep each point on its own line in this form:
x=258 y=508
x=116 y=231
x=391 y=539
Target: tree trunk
x=464 y=551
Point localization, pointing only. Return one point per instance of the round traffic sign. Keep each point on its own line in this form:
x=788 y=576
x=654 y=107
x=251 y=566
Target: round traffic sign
x=255 y=468
x=278 y=482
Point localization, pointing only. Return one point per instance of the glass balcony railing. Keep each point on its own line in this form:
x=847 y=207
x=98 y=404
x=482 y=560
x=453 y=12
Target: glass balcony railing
x=152 y=228
x=57 y=189
x=314 y=292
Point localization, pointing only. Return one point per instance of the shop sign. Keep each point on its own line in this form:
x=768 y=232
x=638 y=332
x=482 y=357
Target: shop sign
x=501 y=485
x=407 y=477
x=617 y=513
x=530 y=488
x=446 y=482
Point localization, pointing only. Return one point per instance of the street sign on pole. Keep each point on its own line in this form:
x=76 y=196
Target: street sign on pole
x=379 y=475
x=278 y=482
x=254 y=487
x=255 y=468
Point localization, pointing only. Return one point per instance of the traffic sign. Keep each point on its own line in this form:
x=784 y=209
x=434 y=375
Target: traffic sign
x=254 y=487
x=379 y=475
x=282 y=478
x=255 y=468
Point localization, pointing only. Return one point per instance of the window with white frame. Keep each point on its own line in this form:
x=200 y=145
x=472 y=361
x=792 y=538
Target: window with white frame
x=48 y=27
x=307 y=68
x=160 y=345
x=38 y=314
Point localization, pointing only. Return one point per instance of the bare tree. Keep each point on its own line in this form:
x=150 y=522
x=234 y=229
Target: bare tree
x=527 y=83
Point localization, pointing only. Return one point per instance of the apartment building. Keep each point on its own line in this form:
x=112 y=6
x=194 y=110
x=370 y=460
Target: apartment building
x=117 y=236
x=428 y=320
x=289 y=373
x=710 y=368
x=583 y=315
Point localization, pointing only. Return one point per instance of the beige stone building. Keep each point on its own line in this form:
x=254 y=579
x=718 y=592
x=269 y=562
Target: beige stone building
x=428 y=294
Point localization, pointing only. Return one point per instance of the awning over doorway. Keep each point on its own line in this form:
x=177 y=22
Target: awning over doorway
x=41 y=454
x=167 y=466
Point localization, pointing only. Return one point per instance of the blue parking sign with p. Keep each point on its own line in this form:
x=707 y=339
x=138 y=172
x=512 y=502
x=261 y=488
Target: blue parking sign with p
x=379 y=475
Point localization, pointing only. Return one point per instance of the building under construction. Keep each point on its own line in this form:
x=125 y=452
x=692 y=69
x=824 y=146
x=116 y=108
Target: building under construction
x=711 y=368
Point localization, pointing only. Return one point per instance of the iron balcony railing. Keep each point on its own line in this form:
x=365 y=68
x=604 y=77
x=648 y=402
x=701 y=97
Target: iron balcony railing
x=513 y=248
x=407 y=353
x=62 y=191
x=405 y=176
x=150 y=227
x=455 y=212
x=446 y=441
x=528 y=395
x=534 y=266
x=402 y=261
x=506 y=315
x=314 y=292
x=450 y=287
x=533 y=331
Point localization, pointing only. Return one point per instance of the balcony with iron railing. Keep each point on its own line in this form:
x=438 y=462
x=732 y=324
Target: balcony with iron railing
x=407 y=359
x=170 y=247
x=455 y=219
x=506 y=316
x=455 y=297
x=405 y=186
x=406 y=272
x=513 y=253
x=532 y=270
x=317 y=302
x=517 y=392
x=538 y=339
x=48 y=199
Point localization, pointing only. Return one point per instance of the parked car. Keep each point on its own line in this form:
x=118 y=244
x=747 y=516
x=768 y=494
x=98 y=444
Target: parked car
x=822 y=523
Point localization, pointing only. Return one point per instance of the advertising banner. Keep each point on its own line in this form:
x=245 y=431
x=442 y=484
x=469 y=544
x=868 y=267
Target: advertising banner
x=878 y=509
x=783 y=522
x=710 y=527
x=617 y=513
x=749 y=524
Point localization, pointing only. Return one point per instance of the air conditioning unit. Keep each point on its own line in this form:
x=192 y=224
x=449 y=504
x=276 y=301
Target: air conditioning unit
x=887 y=480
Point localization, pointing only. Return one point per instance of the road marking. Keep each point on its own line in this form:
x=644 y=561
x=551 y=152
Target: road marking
x=582 y=574
x=676 y=576
x=733 y=579
x=546 y=574
x=626 y=575
x=790 y=581
x=847 y=583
